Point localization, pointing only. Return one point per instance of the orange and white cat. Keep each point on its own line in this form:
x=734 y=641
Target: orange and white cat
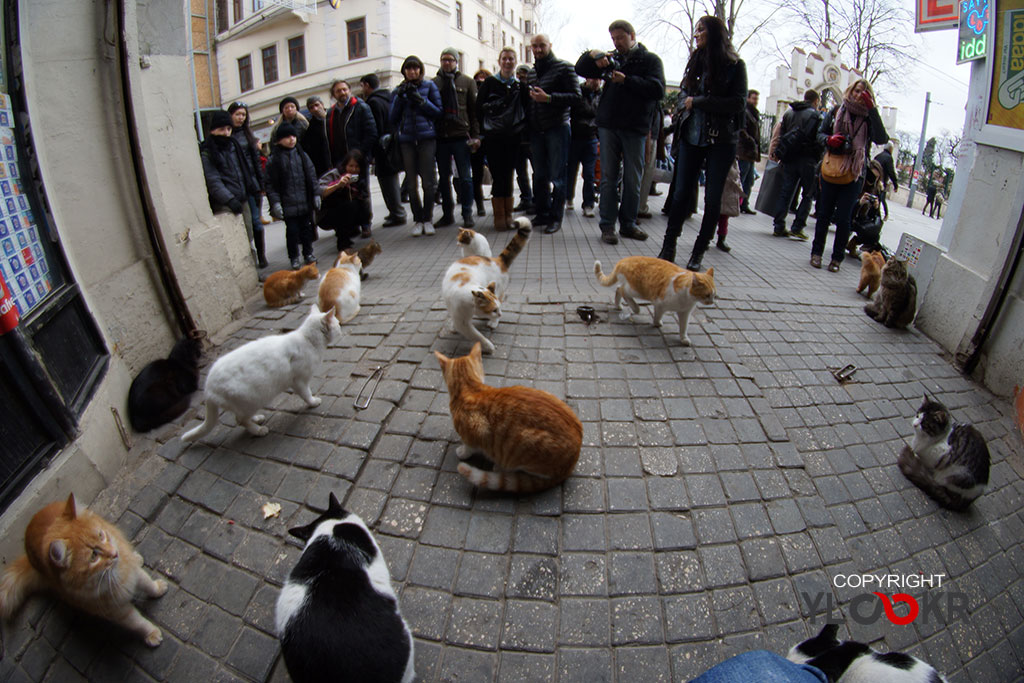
x=86 y=562
x=667 y=286
x=475 y=286
x=473 y=243
x=285 y=286
x=341 y=287
x=531 y=436
x=870 y=272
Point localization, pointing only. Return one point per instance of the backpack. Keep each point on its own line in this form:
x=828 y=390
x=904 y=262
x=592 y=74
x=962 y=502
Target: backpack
x=794 y=142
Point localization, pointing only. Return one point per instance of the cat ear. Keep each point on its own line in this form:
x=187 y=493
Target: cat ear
x=334 y=508
x=829 y=632
x=302 y=532
x=474 y=352
x=492 y=287
x=442 y=359
x=710 y=271
x=59 y=556
x=70 y=510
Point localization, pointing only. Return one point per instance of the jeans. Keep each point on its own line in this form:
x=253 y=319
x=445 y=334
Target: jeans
x=298 y=229
x=798 y=174
x=581 y=151
x=719 y=159
x=549 y=149
x=620 y=149
x=419 y=162
x=255 y=201
x=448 y=148
x=835 y=203
x=746 y=180
x=763 y=667
x=392 y=193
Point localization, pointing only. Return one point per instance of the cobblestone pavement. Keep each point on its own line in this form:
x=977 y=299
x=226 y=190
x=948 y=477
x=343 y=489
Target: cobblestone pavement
x=717 y=484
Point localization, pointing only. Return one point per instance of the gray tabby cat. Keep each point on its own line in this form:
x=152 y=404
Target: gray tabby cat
x=896 y=301
x=946 y=460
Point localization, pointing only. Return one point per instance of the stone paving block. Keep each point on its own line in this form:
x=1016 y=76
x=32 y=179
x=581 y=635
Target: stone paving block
x=489 y=533
x=750 y=520
x=621 y=462
x=253 y=654
x=529 y=626
x=471 y=665
x=714 y=525
x=536 y=535
x=475 y=623
x=481 y=575
x=785 y=516
x=426 y=611
x=589 y=665
x=626 y=494
x=583 y=574
x=584 y=622
x=532 y=576
x=631 y=573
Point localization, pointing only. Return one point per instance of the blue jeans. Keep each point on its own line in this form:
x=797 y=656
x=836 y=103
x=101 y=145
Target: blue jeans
x=763 y=667
x=447 y=148
x=549 y=149
x=581 y=152
x=746 y=179
x=835 y=203
x=620 y=149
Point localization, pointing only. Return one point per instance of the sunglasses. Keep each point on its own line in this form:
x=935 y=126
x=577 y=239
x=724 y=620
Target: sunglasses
x=240 y=105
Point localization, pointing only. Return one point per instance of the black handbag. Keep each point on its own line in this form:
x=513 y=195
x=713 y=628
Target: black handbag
x=391 y=151
x=506 y=118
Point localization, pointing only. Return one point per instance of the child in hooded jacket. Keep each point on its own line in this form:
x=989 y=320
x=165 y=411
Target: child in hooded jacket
x=293 y=193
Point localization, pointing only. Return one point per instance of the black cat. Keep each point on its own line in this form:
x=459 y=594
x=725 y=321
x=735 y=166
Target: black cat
x=161 y=391
x=946 y=460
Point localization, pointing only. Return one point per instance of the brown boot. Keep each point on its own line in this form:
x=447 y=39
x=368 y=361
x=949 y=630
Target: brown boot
x=509 y=218
x=498 y=209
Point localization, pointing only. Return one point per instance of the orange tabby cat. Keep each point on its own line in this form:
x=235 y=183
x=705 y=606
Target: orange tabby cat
x=285 y=286
x=870 y=271
x=664 y=284
x=87 y=562
x=341 y=287
x=532 y=436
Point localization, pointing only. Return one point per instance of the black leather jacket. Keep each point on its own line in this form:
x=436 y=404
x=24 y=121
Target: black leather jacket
x=629 y=105
x=723 y=104
x=557 y=78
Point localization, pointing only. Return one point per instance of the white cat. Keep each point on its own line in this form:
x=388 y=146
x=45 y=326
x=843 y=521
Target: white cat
x=852 y=662
x=337 y=615
x=244 y=380
x=473 y=243
x=341 y=287
x=475 y=285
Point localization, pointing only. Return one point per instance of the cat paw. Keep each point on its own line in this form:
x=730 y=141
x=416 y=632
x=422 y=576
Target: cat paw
x=161 y=589
x=259 y=419
x=260 y=431
x=154 y=638
x=686 y=341
x=462 y=452
x=488 y=347
x=625 y=315
x=314 y=402
x=656 y=323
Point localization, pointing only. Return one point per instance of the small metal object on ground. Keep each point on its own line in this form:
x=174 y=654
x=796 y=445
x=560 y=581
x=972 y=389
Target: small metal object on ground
x=845 y=373
x=587 y=314
x=375 y=377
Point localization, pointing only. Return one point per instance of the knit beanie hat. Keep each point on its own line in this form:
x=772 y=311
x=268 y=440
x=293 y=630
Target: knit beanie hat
x=284 y=130
x=220 y=119
x=450 y=51
x=285 y=101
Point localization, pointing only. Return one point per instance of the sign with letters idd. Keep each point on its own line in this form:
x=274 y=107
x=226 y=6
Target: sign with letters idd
x=973 y=39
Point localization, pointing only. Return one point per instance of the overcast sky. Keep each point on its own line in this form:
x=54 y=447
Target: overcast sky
x=572 y=31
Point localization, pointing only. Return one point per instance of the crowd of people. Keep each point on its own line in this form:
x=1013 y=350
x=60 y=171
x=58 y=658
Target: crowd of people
x=446 y=133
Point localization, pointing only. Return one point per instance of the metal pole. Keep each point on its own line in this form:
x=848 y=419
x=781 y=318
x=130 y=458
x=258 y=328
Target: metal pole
x=920 y=151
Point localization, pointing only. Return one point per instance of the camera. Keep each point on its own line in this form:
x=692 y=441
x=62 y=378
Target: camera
x=614 y=64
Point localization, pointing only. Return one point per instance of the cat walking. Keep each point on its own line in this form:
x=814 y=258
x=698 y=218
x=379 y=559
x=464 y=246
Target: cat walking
x=163 y=389
x=475 y=286
x=86 y=562
x=341 y=287
x=244 y=380
x=285 y=286
x=337 y=615
x=870 y=272
x=531 y=435
x=667 y=286
x=946 y=460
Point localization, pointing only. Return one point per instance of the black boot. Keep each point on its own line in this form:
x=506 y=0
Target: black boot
x=697 y=255
x=261 y=248
x=668 y=251
x=722 y=245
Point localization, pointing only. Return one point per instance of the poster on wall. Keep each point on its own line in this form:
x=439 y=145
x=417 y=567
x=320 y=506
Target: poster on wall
x=1006 y=97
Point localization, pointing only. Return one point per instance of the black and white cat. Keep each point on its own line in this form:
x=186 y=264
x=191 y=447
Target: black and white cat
x=852 y=662
x=337 y=615
x=163 y=389
x=946 y=460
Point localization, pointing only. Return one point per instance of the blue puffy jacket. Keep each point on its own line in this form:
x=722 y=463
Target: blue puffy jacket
x=414 y=107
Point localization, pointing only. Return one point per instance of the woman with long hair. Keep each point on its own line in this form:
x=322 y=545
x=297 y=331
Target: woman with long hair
x=415 y=104
x=847 y=132
x=711 y=104
x=502 y=115
x=241 y=131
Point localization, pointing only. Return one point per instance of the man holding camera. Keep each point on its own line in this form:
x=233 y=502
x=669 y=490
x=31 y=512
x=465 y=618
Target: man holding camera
x=554 y=90
x=634 y=84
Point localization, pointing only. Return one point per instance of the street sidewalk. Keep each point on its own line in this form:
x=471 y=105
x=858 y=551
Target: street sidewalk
x=721 y=490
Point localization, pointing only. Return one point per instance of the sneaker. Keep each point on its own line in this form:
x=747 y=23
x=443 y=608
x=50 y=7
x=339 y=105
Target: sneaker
x=633 y=233
x=309 y=258
x=833 y=267
x=417 y=229
x=800 y=235
x=296 y=264
x=428 y=229
x=569 y=206
x=780 y=233
x=609 y=238
x=588 y=211
x=815 y=261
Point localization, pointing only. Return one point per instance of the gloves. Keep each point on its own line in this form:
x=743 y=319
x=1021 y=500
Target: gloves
x=316 y=203
x=835 y=141
x=415 y=98
x=277 y=211
x=235 y=206
x=865 y=97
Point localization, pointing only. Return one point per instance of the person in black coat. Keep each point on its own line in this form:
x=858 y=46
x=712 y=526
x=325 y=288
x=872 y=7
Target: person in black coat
x=799 y=169
x=379 y=101
x=350 y=126
x=314 y=142
x=293 y=193
x=634 y=85
x=242 y=132
x=889 y=170
x=711 y=105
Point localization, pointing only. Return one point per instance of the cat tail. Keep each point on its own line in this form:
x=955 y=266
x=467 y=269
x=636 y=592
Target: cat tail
x=212 y=413
x=19 y=581
x=606 y=280
x=516 y=482
x=516 y=244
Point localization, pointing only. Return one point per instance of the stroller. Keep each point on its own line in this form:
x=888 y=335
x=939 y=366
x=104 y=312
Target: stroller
x=866 y=223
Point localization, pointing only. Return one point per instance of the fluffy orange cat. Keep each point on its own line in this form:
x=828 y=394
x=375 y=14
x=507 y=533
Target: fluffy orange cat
x=871 y=263
x=341 y=287
x=86 y=562
x=532 y=436
x=664 y=284
x=285 y=286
